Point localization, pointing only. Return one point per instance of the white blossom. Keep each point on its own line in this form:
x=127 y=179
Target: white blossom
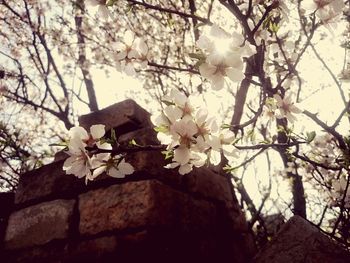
x=339 y=186
x=82 y=163
x=102 y=10
x=224 y=56
x=191 y=134
x=286 y=108
x=120 y=170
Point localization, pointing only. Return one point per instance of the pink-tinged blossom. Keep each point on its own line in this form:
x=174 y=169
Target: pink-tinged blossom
x=183 y=132
x=79 y=133
x=79 y=162
x=338 y=191
x=191 y=134
x=216 y=68
x=185 y=159
x=131 y=53
x=221 y=142
x=120 y=169
x=286 y=108
x=102 y=10
x=326 y=10
x=224 y=56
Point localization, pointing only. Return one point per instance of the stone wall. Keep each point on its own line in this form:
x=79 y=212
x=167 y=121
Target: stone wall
x=299 y=241
x=153 y=215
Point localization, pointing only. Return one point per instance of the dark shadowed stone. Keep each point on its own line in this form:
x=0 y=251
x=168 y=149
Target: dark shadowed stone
x=47 y=181
x=51 y=252
x=300 y=242
x=124 y=116
x=39 y=224
x=6 y=205
x=209 y=184
x=139 y=204
x=144 y=136
x=61 y=155
x=94 y=250
x=200 y=181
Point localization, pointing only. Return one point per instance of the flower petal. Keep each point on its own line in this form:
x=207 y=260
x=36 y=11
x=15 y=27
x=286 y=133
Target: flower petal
x=97 y=131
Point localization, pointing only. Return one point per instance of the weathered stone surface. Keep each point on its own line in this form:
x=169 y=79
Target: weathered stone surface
x=60 y=155
x=143 y=203
x=200 y=181
x=94 y=250
x=6 y=204
x=124 y=116
x=39 y=224
x=208 y=184
x=144 y=136
x=49 y=180
x=300 y=242
x=48 y=253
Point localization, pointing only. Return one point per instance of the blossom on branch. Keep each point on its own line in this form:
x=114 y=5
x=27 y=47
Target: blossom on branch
x=85 y=159
x=102 y=10
x=224 y=55
x=339 y=187
x=79 y=162
x=328 y=11
x=286 y=108
x=191 y=135
x=131 y=53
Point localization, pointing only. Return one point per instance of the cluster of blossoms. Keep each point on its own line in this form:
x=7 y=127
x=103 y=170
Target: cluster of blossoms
x=83 y=162
x=223 y=55
x=324 y=150
x=328 y=11
x=193 y=138
x=278 y=107
x=131 y=53
x=340 y=191
x=101 y=6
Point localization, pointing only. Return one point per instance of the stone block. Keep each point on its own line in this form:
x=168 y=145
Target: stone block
x=201 y=181
x=6 y=203
x=300 y=242
x=139 y=204
x=93 y=250
x=39 y=224
x=205 y=182
x=144 y=136
x=47 y=181
x=124 y=116
x=51 y=252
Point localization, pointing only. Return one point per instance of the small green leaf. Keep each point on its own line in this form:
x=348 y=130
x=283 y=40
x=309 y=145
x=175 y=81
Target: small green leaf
x=113 y=135
x=225 y=126
x=133 y=143
x=168 y=103
x=310 y=136
x=229 y=169
x=61 y=144
x=161 y=128
x=273 y=27
x=111 y=2
x=168 y=154
x=196 y=56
